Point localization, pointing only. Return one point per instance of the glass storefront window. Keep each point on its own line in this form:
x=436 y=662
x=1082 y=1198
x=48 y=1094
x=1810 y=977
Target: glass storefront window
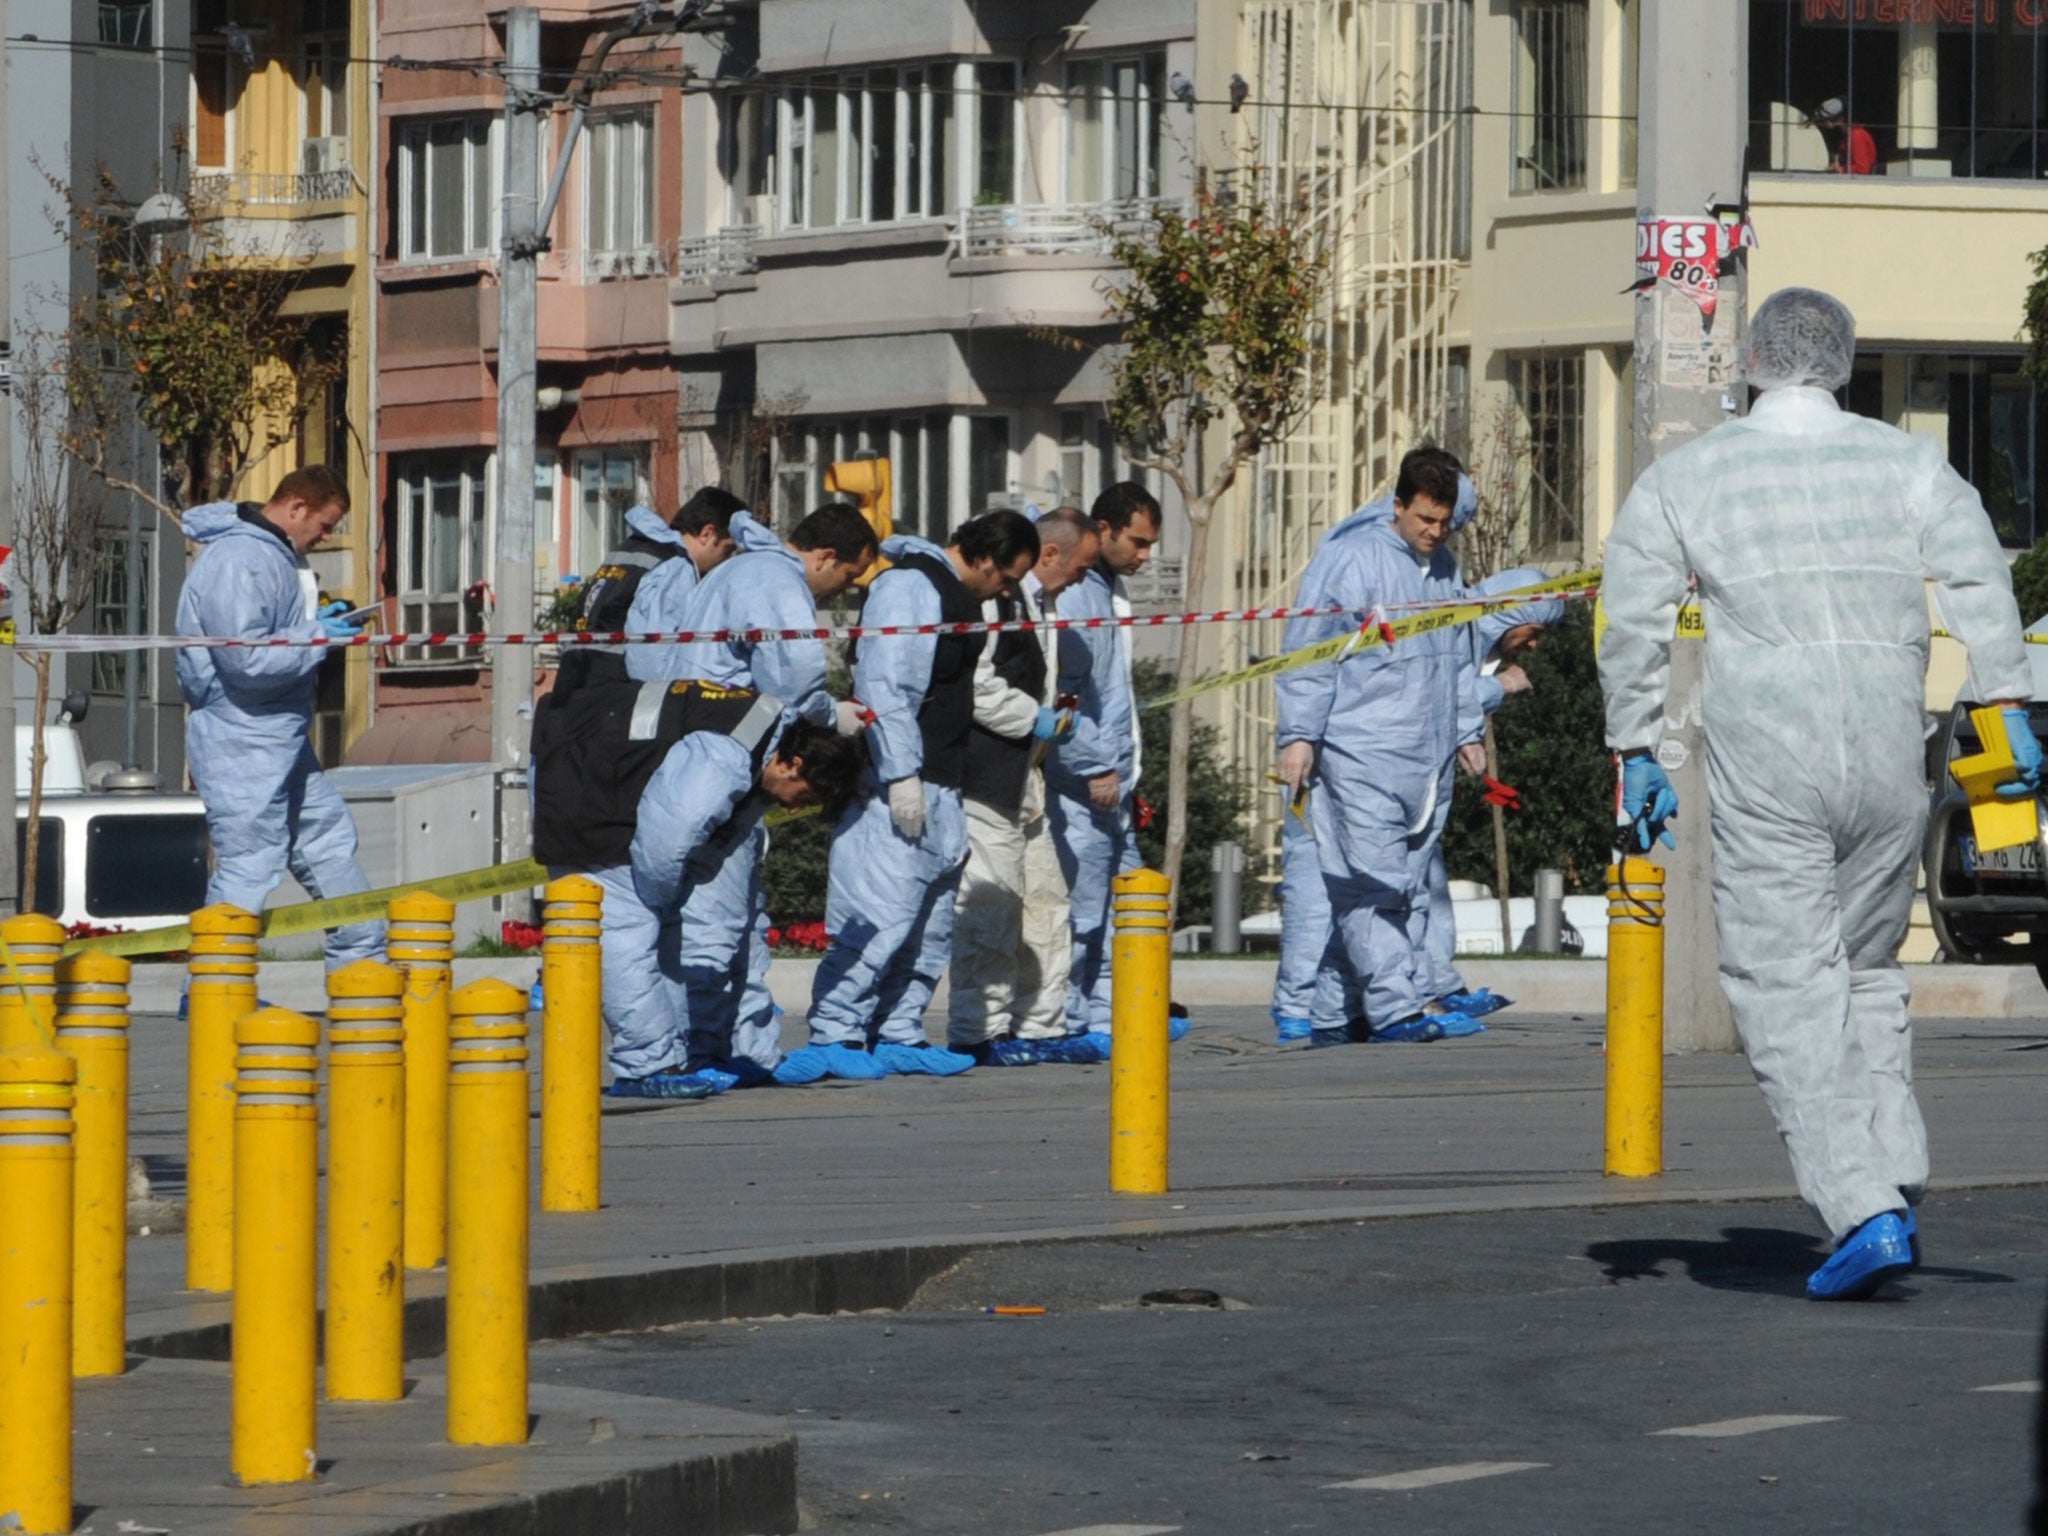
x=1956 y=88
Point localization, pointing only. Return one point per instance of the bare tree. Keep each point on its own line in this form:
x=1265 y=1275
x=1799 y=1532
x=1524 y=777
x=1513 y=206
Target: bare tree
x=60 y=547
x=1214 y=310
x=191 y=334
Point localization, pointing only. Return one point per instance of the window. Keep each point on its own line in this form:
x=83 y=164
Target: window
x=920 y=456
x=989 y=474
x=128 y=23
x=324 y=55
x=872 y=146
x=1441 y=197
x=609 y=481
x=618 y=183
x=1114 y=114
x=1550 y=95
x=216 y=82
x=447 y=188
x=443 y=546
x=1550 y=389
x=998 y=111
x=144 y=866
x=49 y=898
x=110 y=611
x=1948 y=90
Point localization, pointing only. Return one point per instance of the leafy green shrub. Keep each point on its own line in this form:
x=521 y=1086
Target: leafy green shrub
x=2030 y=583
x=1552 y=748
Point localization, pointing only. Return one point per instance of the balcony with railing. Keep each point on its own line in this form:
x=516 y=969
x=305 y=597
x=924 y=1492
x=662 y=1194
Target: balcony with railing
x=273 y=189
x=704 y=259
x=1053 y=229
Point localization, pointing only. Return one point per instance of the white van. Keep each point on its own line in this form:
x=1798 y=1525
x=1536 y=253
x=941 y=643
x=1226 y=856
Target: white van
x=112 y=858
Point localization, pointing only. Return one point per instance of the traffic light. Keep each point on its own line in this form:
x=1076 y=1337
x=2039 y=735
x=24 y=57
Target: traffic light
x=865 y=481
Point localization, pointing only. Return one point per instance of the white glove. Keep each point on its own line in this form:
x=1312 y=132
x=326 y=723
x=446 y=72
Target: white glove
x=906 y=806
x=850 y=719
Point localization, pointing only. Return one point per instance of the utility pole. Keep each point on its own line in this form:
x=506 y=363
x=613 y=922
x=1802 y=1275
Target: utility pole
x=1691 y=144
x=10 y=874
x=524 y=220
x=519 y=251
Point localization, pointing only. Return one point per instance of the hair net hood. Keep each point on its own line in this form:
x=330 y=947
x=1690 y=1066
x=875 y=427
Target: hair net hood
x=1800 y=336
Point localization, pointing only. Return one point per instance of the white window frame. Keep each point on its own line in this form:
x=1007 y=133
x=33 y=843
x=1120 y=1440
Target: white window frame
x=607 y=130
x=422 y=609
x=582 y=538
x=966 y=80
x=1143 y=66
x=414 y=144
x=203 y=56
x=314 y=88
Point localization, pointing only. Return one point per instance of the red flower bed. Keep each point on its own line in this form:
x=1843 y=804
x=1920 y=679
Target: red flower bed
x=811 y=936
x=520 y=935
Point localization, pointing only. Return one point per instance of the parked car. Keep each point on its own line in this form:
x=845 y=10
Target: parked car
x=122 y=856
x=1986 y=908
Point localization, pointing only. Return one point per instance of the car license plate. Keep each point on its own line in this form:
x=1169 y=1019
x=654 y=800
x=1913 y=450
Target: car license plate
x=2022 y=861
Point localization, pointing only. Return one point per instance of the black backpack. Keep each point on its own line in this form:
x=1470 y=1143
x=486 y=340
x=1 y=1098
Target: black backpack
x=595 y=748
x=607 y=603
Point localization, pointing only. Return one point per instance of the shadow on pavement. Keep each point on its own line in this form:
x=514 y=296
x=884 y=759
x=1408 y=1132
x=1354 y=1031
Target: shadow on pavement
x=1766 y=1259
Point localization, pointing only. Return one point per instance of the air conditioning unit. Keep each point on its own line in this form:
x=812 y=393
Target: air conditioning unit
x=324 y=155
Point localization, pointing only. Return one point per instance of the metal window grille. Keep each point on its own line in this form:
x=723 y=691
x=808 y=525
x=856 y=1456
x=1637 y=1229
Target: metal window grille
x=1550 y=387
x=1550 y=95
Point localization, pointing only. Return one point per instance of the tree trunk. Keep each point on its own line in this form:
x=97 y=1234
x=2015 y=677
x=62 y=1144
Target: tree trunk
x=1184 y=711
x=1500 y=849
x=39 y=661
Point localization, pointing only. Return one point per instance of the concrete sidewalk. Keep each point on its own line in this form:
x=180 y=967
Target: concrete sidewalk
x=844 y=1196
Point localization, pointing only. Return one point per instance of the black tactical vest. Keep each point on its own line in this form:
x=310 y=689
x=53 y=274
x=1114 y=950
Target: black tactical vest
x=998 y=767
x=595 y=749
x=946 y=718
x=607 y=600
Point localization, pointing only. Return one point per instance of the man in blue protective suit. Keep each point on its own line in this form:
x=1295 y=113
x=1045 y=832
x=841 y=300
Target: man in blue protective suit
x=641 y=586
x=268 y=805
x=1091 y=778
x=720 y=978
x=1495 y=642
x=1304 y=899
x=897 y=855
x=1371 y=737
x=698 y=814
x=1812 y=534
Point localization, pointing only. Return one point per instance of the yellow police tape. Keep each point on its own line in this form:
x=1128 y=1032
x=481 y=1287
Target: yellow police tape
x=316 y=916
x=1367 y=637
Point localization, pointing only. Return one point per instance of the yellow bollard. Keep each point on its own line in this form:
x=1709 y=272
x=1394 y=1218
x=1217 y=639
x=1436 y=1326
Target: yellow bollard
x=92 y=1029
x=488 y=1162
x=365 y=1184
x=277 y=1146
x=1140 y=989
x=223 y=988
x=1635 y=1019
x=33 y=944
x=572 y=1045
x=35 y=1289
x=421 y=942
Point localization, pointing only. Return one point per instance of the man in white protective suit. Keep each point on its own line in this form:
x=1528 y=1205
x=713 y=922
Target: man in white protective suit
x=1812 y=533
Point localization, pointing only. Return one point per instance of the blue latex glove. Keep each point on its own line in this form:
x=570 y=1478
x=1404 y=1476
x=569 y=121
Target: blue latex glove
x=332 y=608
x=2026 y=755
x=336 y=628
x=1650 y=801
x=1053 y=724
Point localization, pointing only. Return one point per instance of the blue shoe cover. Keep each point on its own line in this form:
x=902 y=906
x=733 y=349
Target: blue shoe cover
x=851 y=1063
x=1016 y=1053
x=1409 y=1031
x=712 y=1078
x=1082 y=1048
x=1321 y=1039
x=1476 y=1005
x=744 y=1071
x=533 y=998
x=1875 y=1252
x=1177 y=1028
x=800 y=1066
x=184 y=1006
x=1456 y=1024
x=920 y=1060
x=1286 y=1030
x=660 y=1085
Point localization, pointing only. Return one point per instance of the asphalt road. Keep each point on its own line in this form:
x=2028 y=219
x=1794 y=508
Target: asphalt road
x=1637 y=1369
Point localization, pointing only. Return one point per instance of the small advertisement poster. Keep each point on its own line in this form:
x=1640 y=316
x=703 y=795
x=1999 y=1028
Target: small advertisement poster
x=1689 y=254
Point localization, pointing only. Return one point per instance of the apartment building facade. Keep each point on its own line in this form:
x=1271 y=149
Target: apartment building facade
x=608 y=387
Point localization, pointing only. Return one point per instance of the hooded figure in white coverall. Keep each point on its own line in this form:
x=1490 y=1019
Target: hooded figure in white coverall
x=1811 y=533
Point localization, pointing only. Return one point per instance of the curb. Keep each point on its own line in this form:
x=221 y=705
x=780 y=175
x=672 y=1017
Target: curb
x=1541 y=986
x=569 y=1304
